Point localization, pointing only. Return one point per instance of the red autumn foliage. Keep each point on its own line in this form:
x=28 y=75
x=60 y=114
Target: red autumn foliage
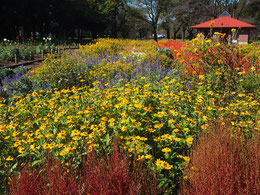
x=108 y=175
x=223 y=164
x=114 y=176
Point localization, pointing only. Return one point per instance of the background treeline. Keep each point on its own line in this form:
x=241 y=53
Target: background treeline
x=117 y=18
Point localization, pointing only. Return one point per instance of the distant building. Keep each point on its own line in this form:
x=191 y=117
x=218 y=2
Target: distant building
x=224 y=24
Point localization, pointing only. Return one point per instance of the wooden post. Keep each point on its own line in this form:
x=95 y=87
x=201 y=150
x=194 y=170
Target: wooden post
x=42 y=53
x=15 y=59
x=51 y=50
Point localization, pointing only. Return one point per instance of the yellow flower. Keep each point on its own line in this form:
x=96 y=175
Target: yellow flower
x=111 y=120
x=189 y=140
x=33 y=148
x=158 y=125
x=138 y=124
x=124 y=128
x=140 y=157
x=173 y=112
x=210 y=108
x=233 y=30
x=75 y=132
x=9 y=158
x=163 y=164
x=148 y=156
x=84 y=134
x=186 y=129
x=171 y=121
x=76 y=138
x=201 y=77
x=186 y=158
x=62 y=153
x=20 y=149
x=48 y=135
x=253 y=68
x=177 y=139
x=204 y=126
x=186 y=177
x=166 y=149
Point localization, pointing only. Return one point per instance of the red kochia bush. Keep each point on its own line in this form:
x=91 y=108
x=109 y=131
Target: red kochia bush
x=100 y=174
x=223 y=164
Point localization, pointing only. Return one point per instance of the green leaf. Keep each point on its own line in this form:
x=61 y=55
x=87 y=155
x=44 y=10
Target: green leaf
x=13 y=167
x=36 y=162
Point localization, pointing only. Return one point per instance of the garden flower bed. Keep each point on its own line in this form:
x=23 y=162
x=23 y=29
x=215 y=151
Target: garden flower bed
x=152 y=99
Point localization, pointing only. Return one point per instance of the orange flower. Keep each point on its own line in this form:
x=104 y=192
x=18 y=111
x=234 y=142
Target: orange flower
x=212 y=23
x=223 y=35
x=218 y=73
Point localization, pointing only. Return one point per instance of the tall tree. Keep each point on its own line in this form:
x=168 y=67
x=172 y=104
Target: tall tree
x=167 y=16
x=152 y=10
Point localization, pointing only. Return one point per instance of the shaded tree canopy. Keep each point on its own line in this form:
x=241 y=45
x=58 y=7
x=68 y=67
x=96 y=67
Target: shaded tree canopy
x=61 y=17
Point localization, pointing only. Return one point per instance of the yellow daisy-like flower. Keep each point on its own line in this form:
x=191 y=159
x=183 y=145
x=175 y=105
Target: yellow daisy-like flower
x=186 y=129
x=76 y=138
x=148 y=156
x=166 y=149
x=62 y=153
x=171 y=121
x=84 y=134
x=176 y=130
x=177 y=139
x=233 y=30
x=189 y=140
x=201 y=77
x=186 y=158
x=124 y=128
x=158 y=125
x=75 y=132
x=9 y=158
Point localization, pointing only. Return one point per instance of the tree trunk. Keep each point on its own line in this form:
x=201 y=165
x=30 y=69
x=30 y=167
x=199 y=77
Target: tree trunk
x=155 y=33
x=183 y=33
x=175 y=31
x=168 y=33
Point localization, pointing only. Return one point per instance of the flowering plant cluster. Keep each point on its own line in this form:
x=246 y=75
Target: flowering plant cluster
x=228 y=68
x=121 y=90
